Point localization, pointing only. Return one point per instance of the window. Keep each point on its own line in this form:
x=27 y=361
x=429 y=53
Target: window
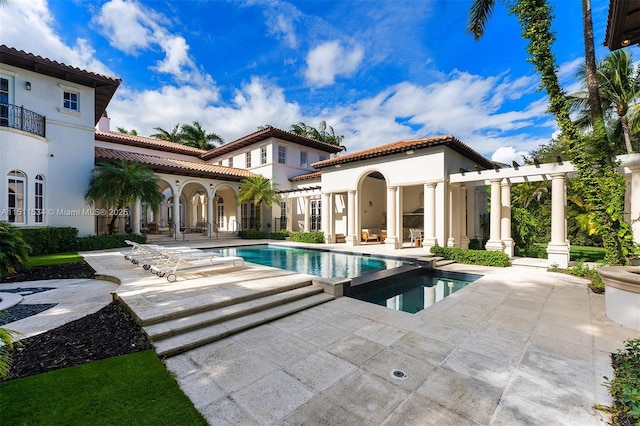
x=263 y=155
x=230 y=161
x=322 y=157
x=70 y=101
x=4 y=102
x=16 y=204
x=247 y=159
x=303 y=159
x=316 y=218
x=39 y=199
x=220 y=212
x=248 y=213
x=282 y=154
x=283 y=215
x=220 y=163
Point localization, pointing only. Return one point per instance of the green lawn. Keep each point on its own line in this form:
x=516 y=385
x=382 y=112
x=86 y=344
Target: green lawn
x=133 y=389
x=55 y=259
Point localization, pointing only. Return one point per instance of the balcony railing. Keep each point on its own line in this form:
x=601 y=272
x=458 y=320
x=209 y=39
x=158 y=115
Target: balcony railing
x=18 y=117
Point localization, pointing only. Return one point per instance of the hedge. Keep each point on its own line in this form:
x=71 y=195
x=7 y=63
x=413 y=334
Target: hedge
x=103 y=242
x=472 y=257
x=308 y=237
x=252 y=235
x=51 y=240
x=60 y=240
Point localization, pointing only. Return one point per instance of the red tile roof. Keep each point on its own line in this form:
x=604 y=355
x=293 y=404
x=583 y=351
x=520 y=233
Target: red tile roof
x=105 y=87
x=144 y=142
x=408 y=145
x=174 y=166
x=266 y=133
x=306 y=176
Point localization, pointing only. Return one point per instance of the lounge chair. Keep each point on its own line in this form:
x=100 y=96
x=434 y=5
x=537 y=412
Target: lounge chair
x=416 y=237
x=176 y=262
x=367 y=235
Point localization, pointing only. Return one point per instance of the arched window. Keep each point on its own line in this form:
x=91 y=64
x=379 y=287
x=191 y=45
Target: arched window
x=16 y=197
x=39 y=199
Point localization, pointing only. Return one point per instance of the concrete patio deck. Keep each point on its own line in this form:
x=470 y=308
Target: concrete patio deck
x=518 y=346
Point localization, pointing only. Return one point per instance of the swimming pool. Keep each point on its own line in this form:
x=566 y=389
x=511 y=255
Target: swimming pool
x=322 y=263
x=413 y=292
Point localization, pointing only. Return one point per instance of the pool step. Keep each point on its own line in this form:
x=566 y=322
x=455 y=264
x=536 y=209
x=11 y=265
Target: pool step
x=285 y=283
x=227 y=322
x=444 y=262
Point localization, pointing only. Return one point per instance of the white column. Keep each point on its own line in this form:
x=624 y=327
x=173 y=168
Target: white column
x=505 y=221
x=392 y=225
x=307 y=213
x=176 y=211
x=558 y=248
x=471 y=213
x=430 y=239
x=135 y=216
x=210 y=216
x=634 y=203
x=495 y=242
x=326 y=217
x=454 y=216
x=351 y=218
x=464 y=236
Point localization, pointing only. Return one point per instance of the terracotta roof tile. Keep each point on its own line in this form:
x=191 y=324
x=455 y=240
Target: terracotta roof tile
x=144 y=142
x=306 y=176
x=105 y=86
x=171 y=165
x=407 y=145
x=266 y=133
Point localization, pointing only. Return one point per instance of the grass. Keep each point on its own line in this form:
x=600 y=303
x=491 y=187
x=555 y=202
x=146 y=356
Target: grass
x=133 y=389
x=55 y=259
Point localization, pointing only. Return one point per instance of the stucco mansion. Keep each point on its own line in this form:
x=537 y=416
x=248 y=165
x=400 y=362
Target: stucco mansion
x=54 y=129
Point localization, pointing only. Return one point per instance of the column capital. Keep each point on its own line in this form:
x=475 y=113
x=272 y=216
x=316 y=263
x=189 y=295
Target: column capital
x=351 y=192
x=431 y=184
x=495 y=180
x=505 y=182
x=558 y=175
x=392 y=188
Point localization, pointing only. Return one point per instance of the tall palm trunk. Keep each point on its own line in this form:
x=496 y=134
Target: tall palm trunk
x=624 y=121
x=591 y=70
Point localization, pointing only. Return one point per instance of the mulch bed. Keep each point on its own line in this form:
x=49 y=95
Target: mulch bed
x=111 y=331
x=52 y=272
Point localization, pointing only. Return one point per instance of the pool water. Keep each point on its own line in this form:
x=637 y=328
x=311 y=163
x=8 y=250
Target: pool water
x=313 y=262
x=415 y=293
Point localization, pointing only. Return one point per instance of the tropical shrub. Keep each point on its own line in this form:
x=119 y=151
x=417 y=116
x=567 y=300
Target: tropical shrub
x=472 y=257
x=251 y=234
x=308 y=237
x=14 y=251
x=6 y=347
x=279 y=235
x=625 y=386
x=51 y=240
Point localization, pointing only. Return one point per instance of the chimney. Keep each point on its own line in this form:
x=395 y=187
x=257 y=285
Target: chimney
x=104 y=125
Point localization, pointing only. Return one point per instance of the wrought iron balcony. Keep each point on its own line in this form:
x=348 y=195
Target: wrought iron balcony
x=18 y=117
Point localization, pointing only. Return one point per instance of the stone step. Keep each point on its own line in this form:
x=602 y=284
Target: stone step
x=444 y=262
x=286 y=284
x=184 y=324
x=183 y=342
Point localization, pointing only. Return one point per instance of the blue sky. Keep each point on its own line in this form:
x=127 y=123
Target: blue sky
x=377 y=71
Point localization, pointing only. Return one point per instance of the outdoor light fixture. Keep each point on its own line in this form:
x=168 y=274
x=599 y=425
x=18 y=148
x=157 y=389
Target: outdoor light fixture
x=370 y=203
x=210 y=186
x=27 y=85
x=177 y=183
x=625 y=42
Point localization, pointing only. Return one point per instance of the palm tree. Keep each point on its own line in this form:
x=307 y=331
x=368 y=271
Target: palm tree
x=172 y=136
x=320 y=134
x=259 y=191
x=15 y=251
x=6 y=346
x=119 y=185
x=194 y=135
x=132 y=132
x=619 y=84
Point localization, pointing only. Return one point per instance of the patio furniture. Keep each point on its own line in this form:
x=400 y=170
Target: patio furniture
x=416 y=237
x=369 y=235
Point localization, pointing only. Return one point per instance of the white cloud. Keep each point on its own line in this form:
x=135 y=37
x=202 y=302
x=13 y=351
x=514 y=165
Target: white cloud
x=507 y=154
x=131 y=27
x=29 y=26
x=331 y=59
